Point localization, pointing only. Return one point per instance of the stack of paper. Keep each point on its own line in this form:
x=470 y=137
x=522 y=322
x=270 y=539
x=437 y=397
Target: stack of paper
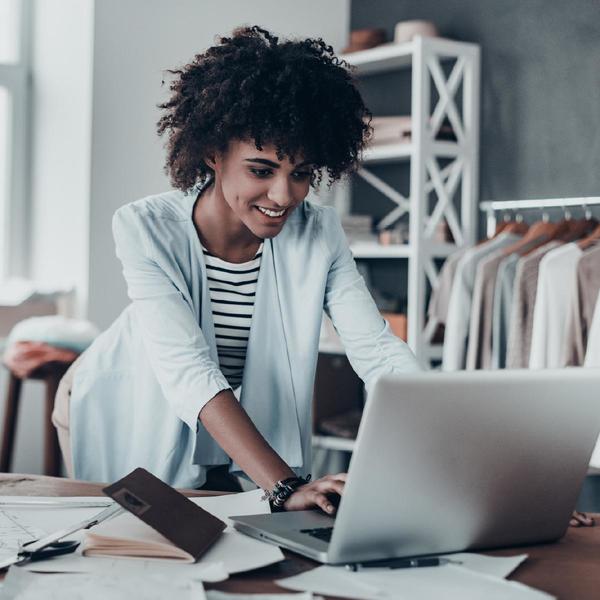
x=232 y=553
x=477 y=577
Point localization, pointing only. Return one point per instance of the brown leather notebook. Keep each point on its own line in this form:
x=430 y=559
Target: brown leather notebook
x=167 y=511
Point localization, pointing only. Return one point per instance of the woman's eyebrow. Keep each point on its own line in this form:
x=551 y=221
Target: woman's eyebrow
x=270 y=163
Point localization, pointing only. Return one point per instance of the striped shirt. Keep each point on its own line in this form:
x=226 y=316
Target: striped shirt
x=232 y=291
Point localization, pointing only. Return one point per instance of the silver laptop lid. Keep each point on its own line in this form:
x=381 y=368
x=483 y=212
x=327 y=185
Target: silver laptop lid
x=446 y=462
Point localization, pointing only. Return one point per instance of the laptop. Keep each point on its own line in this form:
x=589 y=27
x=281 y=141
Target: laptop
x=447 y=462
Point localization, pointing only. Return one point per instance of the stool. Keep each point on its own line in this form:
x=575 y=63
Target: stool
x=50 y=373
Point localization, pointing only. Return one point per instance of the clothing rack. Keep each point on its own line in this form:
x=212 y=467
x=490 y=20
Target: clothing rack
x=492 y=208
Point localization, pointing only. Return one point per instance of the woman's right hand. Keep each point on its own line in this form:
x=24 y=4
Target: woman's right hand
x=314 y=494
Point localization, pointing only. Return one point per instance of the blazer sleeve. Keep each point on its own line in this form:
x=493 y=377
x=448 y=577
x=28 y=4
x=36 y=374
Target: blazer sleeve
x=177 y=349
x=372 y=348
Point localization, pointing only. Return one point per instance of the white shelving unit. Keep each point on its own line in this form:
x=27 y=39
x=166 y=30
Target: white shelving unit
x=436 y=192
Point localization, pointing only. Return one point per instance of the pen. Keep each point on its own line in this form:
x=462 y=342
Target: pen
x=402 y=563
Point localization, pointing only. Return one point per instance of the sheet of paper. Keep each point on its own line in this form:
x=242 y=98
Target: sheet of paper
x=497 y=566
x=23 y=585
x=245 y=503
x=450 y=582
x=15 y=530
x=208 y=572
x=49 y=518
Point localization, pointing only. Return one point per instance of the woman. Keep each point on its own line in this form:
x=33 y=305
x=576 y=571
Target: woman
x=228 y=277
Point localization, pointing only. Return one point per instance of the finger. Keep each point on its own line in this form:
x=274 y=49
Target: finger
x=333 y=486
x=574 y=523
x=337 y=477
x=323 y=503
x=583 y=519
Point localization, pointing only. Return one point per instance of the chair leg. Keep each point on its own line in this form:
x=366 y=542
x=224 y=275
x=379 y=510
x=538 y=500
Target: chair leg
x=10 y=422
x=52 y=455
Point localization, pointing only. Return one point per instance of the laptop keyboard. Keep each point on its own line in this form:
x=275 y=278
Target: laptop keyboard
x=321 y=533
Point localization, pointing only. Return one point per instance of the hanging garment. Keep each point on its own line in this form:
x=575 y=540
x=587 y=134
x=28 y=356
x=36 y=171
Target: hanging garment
x=556 y=280
x=583 y=303
x=503 y=293
x=522 y=305
x=592 y=353
x=592 y=359
x=480 y=323
x=437 y=311
x=459 y=307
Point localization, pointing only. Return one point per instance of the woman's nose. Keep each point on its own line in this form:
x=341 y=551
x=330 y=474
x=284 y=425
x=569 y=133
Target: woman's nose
x=280 y=193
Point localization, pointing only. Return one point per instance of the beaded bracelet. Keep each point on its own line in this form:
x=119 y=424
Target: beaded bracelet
x=282 y=490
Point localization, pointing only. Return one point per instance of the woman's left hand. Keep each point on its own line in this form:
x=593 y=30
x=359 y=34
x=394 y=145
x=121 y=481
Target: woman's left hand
x=315 y=494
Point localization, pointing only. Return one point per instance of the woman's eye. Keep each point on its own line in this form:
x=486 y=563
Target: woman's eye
x=261 y=172
x=302 y=175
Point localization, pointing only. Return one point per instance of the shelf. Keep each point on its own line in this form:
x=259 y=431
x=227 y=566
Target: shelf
x=390 y=56
x=381 y=58
x=364 y=250
x=387 y=153
x=375 y=250
x=330 y=442
x=442 y=173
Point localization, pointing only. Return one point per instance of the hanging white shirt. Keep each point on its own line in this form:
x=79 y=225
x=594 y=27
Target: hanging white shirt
x=557 y=280
x=592 y=353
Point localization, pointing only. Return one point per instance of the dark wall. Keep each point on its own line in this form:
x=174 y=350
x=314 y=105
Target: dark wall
x=540 y=87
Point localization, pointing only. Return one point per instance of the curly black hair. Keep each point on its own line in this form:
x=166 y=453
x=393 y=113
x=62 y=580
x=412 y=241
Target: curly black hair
x=294 y=94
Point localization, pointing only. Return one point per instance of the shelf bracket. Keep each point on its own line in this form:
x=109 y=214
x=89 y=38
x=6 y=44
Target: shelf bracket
x=444 y=205
x=387 y=190
x=446 y=90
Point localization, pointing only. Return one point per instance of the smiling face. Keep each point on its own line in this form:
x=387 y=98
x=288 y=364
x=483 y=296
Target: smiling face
x=259 y=190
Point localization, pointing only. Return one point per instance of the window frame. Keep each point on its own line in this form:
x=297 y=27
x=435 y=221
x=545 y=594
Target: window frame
x=17 y=79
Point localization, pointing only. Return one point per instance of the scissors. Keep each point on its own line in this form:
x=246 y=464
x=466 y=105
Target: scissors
x=51 y=545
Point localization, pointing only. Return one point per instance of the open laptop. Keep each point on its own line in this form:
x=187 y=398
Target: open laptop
x=454 y=461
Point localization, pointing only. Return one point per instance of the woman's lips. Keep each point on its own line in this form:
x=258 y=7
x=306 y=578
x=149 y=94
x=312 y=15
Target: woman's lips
x=269 y=219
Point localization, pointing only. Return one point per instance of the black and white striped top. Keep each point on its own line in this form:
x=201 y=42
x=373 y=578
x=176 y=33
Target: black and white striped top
x=232 y=291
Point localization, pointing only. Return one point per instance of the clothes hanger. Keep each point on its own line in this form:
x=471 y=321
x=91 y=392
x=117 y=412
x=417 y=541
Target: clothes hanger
x=592 y=238
x=536 y=235
x=577 y=229
x=502 y=224
x=517 y=225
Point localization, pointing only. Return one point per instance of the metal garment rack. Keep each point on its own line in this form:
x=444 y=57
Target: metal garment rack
x=493 y=208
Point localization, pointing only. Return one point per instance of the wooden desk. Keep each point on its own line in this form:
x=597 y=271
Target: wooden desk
x=568 y=569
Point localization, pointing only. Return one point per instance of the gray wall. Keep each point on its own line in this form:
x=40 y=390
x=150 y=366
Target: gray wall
x=540 y=96
x=540 y=100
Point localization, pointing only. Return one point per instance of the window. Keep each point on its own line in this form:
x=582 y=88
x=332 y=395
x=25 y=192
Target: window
x=14 y=102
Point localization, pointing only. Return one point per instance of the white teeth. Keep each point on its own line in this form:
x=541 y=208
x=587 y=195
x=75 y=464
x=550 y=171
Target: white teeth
x=270 y=213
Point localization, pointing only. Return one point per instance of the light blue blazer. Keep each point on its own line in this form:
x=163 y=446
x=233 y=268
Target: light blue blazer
x=140 y=386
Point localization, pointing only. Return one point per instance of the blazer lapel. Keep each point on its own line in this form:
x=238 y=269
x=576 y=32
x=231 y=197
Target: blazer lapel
x=268 y=394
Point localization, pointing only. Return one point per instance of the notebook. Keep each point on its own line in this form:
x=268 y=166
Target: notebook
x=165 y=524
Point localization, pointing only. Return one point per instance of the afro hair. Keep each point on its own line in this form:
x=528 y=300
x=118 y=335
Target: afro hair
x=293 y=94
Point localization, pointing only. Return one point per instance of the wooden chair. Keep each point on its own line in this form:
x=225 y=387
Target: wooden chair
x=51 y=374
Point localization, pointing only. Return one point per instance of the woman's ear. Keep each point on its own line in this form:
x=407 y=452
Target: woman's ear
x=210 y=161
